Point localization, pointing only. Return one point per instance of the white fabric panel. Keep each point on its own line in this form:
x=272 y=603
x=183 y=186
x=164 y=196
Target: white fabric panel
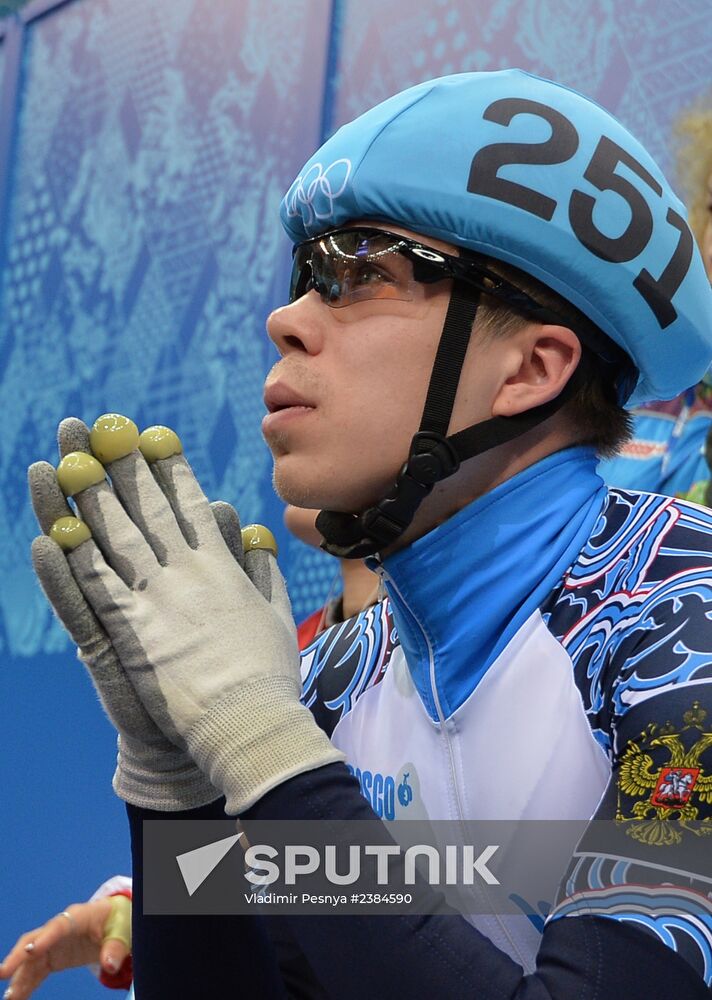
x=510 y=752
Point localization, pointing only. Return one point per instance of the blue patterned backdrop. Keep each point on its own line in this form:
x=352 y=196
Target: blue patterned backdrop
x=144 y=251
x=143 y=151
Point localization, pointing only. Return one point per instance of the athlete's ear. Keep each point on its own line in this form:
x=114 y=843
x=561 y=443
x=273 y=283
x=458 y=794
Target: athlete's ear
x=548 y=356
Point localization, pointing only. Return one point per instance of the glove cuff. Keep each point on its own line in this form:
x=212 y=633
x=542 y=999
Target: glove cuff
x=164 y=780
x=257 y=737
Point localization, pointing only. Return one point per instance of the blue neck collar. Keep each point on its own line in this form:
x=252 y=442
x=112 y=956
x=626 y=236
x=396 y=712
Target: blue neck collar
x=461 y=592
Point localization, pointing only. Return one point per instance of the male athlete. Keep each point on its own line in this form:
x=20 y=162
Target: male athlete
x=486 y=268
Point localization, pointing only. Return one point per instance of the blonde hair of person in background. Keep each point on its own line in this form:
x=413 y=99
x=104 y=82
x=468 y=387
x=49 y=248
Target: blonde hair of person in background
x=693 y=130
x=694 y=168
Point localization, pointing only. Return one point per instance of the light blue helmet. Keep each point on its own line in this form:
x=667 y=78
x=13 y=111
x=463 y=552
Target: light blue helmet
x=532 y=173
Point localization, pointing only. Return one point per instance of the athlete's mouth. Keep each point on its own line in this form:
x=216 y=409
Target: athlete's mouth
x=280 y=396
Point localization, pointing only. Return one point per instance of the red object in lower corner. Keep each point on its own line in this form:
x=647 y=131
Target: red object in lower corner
x=122 y=979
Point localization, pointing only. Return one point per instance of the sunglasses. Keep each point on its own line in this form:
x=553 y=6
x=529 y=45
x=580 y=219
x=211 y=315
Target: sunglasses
x=346 y=266
x=353 y=265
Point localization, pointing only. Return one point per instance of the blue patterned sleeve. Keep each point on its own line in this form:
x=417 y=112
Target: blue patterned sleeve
x=642 y=651
x=646 y=860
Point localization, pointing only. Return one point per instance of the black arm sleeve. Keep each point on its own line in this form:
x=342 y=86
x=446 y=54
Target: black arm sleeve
x=443 y=956
x=208 y=956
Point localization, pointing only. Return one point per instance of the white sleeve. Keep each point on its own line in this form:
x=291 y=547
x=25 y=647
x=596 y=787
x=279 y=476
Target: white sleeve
x=117 y=883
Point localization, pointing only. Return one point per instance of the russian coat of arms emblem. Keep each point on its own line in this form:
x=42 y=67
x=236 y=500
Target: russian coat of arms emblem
x=667 y=794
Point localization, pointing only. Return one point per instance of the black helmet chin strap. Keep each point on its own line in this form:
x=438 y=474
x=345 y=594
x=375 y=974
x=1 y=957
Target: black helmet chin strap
x=433 y=456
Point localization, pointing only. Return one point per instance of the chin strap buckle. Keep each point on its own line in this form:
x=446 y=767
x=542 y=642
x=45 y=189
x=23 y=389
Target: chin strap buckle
x=431 y=459
x=348 y=536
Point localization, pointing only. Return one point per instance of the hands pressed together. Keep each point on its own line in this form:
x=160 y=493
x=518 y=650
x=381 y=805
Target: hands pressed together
x=183 y=622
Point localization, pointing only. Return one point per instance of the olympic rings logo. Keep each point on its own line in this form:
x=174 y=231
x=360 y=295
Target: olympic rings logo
x=313 y=194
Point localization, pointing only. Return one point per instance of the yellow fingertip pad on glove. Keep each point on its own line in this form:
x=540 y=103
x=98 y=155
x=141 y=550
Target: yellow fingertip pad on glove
x=159 y=442
x=78 y=471
x=256 y=536
x=69 y=533
x=113 y=436
x=118 y=923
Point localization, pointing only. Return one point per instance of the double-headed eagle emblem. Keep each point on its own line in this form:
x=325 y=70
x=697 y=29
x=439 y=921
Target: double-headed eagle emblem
x=668 y=796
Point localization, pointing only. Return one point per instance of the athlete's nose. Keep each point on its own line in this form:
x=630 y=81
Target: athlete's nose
x=298 y=326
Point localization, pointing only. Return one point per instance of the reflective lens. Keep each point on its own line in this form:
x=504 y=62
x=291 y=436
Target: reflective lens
x=351 y=265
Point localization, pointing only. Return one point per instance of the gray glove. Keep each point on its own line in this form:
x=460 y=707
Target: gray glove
x=151 y=772
x=209 y=647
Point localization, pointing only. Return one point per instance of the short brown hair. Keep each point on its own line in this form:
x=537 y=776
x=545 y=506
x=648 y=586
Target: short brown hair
x=593 y=409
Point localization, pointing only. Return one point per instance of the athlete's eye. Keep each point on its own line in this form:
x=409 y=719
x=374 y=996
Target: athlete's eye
x=367 y=274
